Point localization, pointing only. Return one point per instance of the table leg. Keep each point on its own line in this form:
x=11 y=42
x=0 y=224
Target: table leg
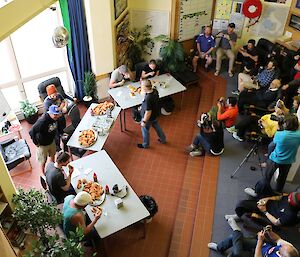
x=121 y=121
x=144 y=229
x=181 y=100
x=105 y=247
x=70 y=152
x=125 y=120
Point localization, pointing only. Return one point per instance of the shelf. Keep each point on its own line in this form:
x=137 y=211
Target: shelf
x=2 y=207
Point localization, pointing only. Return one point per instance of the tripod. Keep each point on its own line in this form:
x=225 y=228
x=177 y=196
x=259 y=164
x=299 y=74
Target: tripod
x=253 y=150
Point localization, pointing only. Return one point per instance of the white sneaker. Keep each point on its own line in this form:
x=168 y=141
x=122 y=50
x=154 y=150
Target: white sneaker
x=232 y=216
x=196 y=153
x=250 y=191
x=217 y=73
x=164 y=112
x=212 y=246
x=235 y=136
x=191 y=148
x=231 y=129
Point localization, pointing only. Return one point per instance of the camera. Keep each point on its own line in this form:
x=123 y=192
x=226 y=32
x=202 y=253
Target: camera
x=204 y=121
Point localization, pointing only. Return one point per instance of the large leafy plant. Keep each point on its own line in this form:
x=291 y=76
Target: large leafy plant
x=33 y=212
x=140 y=43
x=27 y=108
x=90 y=85
x=172 y=54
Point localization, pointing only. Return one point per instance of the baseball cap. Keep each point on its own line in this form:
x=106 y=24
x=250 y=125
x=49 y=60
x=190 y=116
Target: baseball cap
x=231 y=25
x=51 y=89
x=82 y=198
x=53 y=109
x=294 y=199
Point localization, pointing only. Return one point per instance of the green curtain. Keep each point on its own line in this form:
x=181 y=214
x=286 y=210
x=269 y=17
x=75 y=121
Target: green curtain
x=66 y=20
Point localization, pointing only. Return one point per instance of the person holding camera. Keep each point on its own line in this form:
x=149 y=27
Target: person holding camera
x=227 y=111
x=241 y=246
x=286 y=143
x=210 y=139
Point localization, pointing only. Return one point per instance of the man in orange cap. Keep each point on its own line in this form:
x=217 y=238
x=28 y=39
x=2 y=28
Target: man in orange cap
x=54 y=98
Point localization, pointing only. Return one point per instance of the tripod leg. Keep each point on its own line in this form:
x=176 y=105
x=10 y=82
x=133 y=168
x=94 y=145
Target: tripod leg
x=245 y=160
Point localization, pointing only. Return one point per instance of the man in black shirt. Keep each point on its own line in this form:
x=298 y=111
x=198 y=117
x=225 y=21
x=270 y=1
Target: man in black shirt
x=150 y=70
x=277 y=210
x=248 y=55
x=150 y=112
x=58 y=182
x=43 y=134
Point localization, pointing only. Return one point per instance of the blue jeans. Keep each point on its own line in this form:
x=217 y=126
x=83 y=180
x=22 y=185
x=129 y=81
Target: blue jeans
x=199 y=140
x=146 y=134
x=240 y=246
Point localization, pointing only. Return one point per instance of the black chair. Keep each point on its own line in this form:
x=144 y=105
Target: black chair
x=14 y=152
x=74 y=115
x=55 y=81
x=264 y=47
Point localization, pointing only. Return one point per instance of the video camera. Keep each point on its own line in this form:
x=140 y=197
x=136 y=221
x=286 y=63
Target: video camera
x=204 y=121
x=279 y=119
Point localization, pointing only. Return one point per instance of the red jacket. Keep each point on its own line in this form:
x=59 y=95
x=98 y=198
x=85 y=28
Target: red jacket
x=228 y=116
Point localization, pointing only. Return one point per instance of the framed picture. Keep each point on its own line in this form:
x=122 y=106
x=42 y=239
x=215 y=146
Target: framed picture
x=120 y=6
x=297 y=4
x=295 y=22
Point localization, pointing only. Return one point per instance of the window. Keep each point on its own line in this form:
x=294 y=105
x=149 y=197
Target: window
x=29 y=57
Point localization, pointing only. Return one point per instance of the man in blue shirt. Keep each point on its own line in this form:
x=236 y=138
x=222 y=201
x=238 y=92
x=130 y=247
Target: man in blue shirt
x=285 y=151
x=241 y=246
x=205 y=45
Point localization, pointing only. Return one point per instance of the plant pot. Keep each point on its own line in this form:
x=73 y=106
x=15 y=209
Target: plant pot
x=88 y=100
x=33 y=118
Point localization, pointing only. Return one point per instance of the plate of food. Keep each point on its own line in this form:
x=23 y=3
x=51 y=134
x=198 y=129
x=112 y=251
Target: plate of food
x=134 y=91
x=87 y=137
x=96 y=191
x=100 y=109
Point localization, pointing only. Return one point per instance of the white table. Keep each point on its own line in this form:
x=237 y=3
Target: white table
x=87 y=122
x=108 y=174
x=122 y=94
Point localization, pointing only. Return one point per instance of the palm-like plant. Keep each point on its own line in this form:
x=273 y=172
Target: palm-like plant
x=90 y=85
x=172 y=54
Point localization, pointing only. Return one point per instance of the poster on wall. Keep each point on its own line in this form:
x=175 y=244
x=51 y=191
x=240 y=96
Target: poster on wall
x=223 y=9
x=122 y=42
x=120 y=6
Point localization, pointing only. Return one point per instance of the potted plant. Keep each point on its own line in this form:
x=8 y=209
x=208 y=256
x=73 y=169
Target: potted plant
x=30 y=111
x=34 y=214
x=140 y=43
x=172 y=54
x=90 y=88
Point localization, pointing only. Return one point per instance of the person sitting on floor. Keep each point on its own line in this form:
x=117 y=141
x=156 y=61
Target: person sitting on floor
x=277 y=210
x=247 y=55
x=260 y=98
x=58 y=182
x=119 y=75
x=150 y=70
x=205 y=46
x=73 y=215
x=263 y=79
x=241 y=245
x=210 y=139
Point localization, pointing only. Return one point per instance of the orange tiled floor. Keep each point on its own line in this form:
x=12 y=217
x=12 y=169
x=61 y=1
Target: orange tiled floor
x=160 y=172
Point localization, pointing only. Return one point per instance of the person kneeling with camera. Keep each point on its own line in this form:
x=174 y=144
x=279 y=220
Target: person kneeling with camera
x=210 y=139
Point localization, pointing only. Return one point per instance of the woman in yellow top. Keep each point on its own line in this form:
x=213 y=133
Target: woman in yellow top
x=269 y=127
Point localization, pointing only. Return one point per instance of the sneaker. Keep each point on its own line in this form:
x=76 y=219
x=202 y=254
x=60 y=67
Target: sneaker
x=230 y=74
x=196 y=153
x=141 y=146
x=250 y=191
x=212 y=246
x=235 y=136
x=235 y=92
x=162 y=142
x=217 y=73
x=164 y=112
x=231 y=129
x=191 y=148
x=232 y=216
